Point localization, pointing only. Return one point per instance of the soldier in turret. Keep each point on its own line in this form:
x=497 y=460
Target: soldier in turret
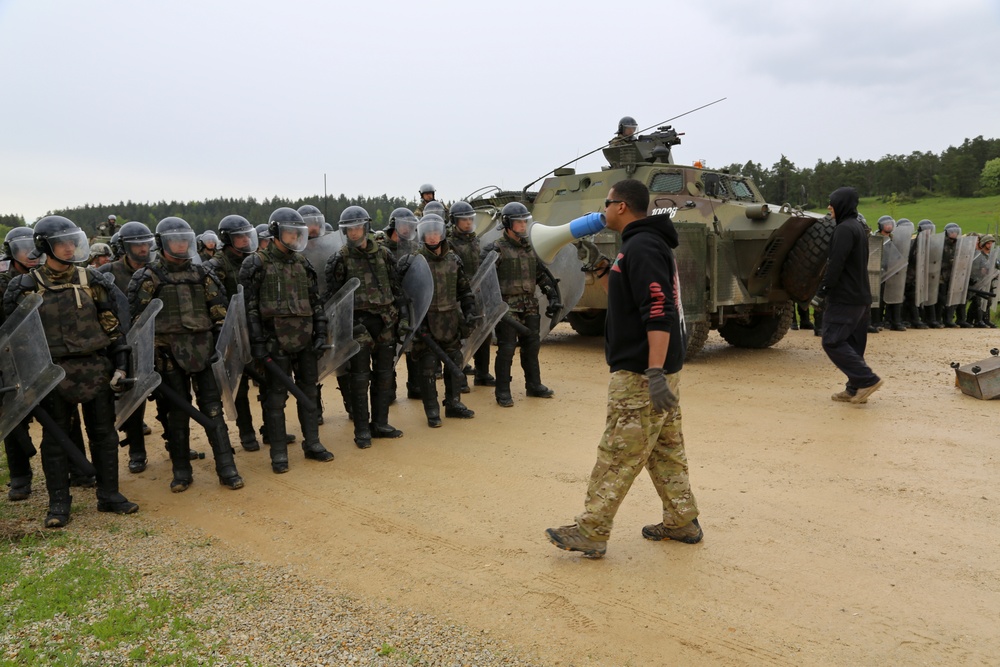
x=287 y=325
x=519 y=271
x=626 y=132
x=427 y=193
x=84 y=338
x=194 y=307
x=464 y=242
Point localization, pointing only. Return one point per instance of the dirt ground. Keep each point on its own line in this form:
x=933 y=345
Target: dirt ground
x=835 y=534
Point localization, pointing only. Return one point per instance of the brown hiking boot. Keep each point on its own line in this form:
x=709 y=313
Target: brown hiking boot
x=689 y=534
x=865 y=392
x=843 y=396
x=569 y=538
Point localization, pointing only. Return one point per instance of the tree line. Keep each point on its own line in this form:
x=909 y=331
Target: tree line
x=969 y=170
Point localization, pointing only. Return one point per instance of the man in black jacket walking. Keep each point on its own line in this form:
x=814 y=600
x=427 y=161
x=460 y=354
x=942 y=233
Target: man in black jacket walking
x=645 y=344
x=848 y=298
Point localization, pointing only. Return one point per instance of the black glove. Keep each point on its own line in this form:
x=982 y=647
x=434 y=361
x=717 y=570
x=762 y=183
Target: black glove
x=319 y=341
x=553 y=309
x=660 y=396
x=258 y=349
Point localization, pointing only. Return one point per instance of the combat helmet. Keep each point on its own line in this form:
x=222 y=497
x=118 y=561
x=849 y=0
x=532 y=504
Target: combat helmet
x=234 y=227
x=55 y=230
x=175 y=238
x=352 y=217
x=288 y=228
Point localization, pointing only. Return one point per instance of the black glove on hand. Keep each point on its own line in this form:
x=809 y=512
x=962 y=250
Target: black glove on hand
x=660 y=396
x=319 y=342
x=553 y=309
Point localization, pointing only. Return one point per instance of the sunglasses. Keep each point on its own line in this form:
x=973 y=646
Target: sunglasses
x=609 y=202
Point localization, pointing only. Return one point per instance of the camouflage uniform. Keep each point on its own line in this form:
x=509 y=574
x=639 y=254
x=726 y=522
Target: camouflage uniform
x=466 y=246
x=451 y=308
x=81 y=328
x=226 y=267
x=399 y=249
x=376 y=317
x=194 y=307
x=419 y=210
x=519 y=271
x=636 y=436
x=17 y=445
x=285 y=315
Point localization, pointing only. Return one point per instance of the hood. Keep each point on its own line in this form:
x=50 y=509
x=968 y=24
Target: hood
x=845 y=203
x=655 y=224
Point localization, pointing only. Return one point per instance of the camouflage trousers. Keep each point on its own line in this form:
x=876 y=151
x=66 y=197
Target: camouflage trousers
x=636 y=436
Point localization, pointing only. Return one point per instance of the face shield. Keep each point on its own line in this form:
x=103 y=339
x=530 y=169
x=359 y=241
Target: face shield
x=244 y=242
x=179 y=245
x=465 y=224
x=519 y=226
x=20 y=249
x=139 y=251
x=354 y=233
x=70 y=247
x=293 y=235
x=431 y=232
x=316 y=222
x=406 y=229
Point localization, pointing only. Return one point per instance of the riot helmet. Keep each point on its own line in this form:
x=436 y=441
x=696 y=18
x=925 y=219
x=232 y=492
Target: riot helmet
x=515 y=211
x=112 y=218
x=462 y=217
x=327 y=228
x=314 y=219
x=431 y=231
x=263 y=236
x=886 y=224
x=116 y=245
x=208 y=241
x=426 y=188
x=175 y=239
x=354 y=226
x=435 y=207
x=136 y=242
x=627 y=126
x=237 y=233
x=862 y=220
x=925 y=224
x=404 y=223
x=952 y=231
x=60 y=239
x=288 y=228
x=18 y=246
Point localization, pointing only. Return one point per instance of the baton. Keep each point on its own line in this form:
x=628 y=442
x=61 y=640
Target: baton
x=73 y=453
x=514 y=324
x=293 y=388
x=167 y=393
x=441 y=354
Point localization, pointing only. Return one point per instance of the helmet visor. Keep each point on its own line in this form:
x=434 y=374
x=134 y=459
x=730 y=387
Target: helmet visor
x=179 y=244
x=293 y=235
x=520 y=224
x=354 y=232
x=244 y=242
x=406 y=229
x=20 y=249
x=316 y=222
x=139 y=251
x=431 y=232
x=70 y=246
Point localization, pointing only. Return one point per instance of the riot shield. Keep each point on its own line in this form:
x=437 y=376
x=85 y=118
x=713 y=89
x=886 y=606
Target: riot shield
x=340 y=330
x=27 y=373
x=233 y=351
x=961 y=270
x=145 y=378
x=984 y=272
x=489 y=305
x=892 y=260
x=895 y=281
x=935 y=251
x=317 y=251
x=405 y=247
x=923 y=254
x=570 y=280
x=875 y=244
x=418 y=287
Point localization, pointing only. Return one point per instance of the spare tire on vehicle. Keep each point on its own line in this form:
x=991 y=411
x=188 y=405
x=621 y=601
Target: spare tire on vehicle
x=803 y=269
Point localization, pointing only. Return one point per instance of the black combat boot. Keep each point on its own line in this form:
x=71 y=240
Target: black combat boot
x=180 y=463
x=916 y=322
x=17 y=445
x=481 y=358
x=359 y=407
x=962 y=317
x=453 y=406
x=532 y=375
x=931 y=318
x=428 y=391
x=274 y=419
x=344 y=387
x=19 y=488
x=225 y=464
x=59 y=504
x=380 y=426
x=109 y=499
x=311 y=446
x=894 y=311
x=949 y=318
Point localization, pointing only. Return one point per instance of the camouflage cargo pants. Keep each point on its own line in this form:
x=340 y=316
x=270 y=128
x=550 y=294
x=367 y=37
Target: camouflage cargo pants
x=635 y=436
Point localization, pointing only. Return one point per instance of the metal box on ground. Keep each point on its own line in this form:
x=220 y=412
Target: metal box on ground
x=980 y=379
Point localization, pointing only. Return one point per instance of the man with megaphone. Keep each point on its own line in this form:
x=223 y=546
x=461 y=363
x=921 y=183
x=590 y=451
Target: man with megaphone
x=644 y=346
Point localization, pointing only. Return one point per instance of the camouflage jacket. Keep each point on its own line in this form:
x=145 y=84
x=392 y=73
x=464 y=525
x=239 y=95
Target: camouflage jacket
x=226 y=267
x=947 y=260
x=120 y=271
x=466 y=246
x=419 y=211
x=452 y=303
x=519 y=271
x=282 y=301
x=194 y=308
x=77 y=310
x=375 y=267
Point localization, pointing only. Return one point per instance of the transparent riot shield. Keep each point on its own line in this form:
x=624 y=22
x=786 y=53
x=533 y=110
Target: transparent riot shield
x=489 y=305
x=418 y=287
x=984 y=272
x=27 y=373
x=233 y=350
x=923 y=241
x=145 y=378
x=961 y=271
x=875 y=244
x=340 y=330
x=895 y=281
x=317 y=251
x=570 y=280
x=935 y=251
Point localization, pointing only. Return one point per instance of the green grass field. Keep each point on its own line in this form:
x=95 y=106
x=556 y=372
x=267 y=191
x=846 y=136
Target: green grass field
x=973 y=214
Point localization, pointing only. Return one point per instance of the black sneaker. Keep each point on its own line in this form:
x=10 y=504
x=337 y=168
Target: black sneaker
x=136 y=465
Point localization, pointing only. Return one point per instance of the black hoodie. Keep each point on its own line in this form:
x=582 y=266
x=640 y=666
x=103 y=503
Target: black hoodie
x=846 y=279
x=644 y=294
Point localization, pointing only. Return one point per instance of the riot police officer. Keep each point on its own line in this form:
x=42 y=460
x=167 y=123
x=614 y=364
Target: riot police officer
x=85 y=338
x=208 y=243
x=448 y=320
x=464 y=242
x=288 y=327
x=314 y=219
x=17 y=250
x=626 y=132
x=376 y=319
x=427 y=193
x=194 y=307
x=239 y=241
x=263 y=236
x=947 y=314
x=914 y=311
x=401 y=239
x=519 y=271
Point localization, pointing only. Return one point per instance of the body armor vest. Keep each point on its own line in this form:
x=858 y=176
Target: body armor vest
x=444 y=269
x=122 y=274
x=227 y=270
x=284 y=290
x=69 y=315
x=375 y=291
x=517 y=268
x=466 y=246
x=185 y=307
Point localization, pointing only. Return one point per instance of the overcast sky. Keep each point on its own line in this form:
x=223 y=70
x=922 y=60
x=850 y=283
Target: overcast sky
x=104 y=100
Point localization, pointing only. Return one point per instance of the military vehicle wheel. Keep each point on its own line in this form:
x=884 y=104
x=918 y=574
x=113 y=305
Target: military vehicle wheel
x=697 y=335
x=758 y=331
x=588 y=322
x=803 y=268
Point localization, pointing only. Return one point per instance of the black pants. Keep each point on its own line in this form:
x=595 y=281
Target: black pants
x=845 y=337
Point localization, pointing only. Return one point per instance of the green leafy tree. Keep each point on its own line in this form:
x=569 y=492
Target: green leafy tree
x=989 y=179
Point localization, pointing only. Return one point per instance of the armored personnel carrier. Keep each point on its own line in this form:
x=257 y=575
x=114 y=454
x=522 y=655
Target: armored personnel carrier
x=742 y=261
